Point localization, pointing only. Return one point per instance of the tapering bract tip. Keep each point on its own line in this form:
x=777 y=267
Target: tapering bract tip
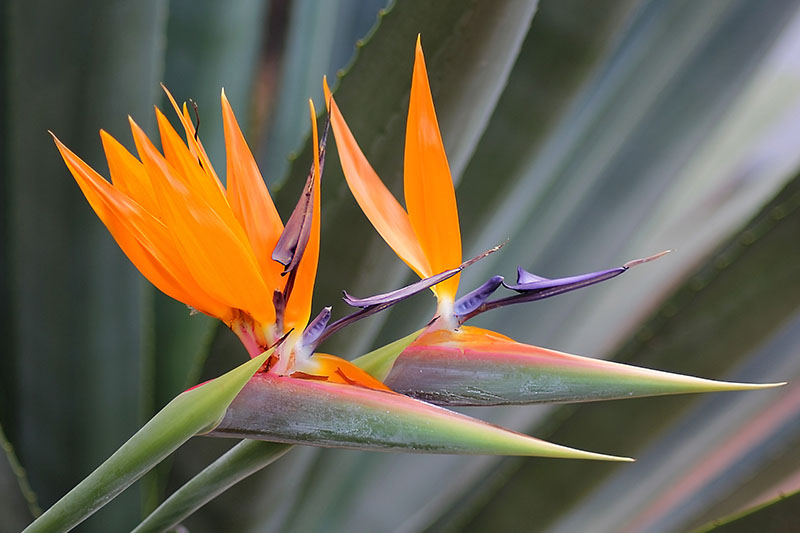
x=564 y=452
x=732 y=386
x=647 y=259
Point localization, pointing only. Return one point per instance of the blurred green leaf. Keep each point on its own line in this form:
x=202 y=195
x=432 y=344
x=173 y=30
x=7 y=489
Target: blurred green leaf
x=79 y=309
x=241 y=461
x=780 y=514
x=193 y=412
x=728 y=299
x=18 y=505
x=214 y=45
x=320 y=37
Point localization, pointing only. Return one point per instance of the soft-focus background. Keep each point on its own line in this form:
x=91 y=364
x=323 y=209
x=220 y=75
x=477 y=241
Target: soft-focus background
x=589 y=133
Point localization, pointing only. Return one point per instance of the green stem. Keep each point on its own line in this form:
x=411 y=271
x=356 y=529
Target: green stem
x=241 y=461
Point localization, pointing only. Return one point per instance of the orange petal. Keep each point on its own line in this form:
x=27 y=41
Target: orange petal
x=128 y=174
x=195 y=146
x=430 y=197
x=189 y=171
x=143 y=238
x=219 y=259
x=338 y=370
x=249 y=198
x=382 y=209
x=326 y=93
x=298 y=308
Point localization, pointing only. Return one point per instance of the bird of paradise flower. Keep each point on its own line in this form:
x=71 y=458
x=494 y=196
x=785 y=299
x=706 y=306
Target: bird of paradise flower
x=222 y=251
x=225 y=252
x=453 y=364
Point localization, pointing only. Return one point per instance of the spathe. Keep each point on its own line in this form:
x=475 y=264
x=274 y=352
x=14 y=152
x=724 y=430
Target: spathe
x=472 y=366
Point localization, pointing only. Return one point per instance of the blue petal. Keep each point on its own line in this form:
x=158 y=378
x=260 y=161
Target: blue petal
x=472 y=300
x=316 y=328
x=533 y=283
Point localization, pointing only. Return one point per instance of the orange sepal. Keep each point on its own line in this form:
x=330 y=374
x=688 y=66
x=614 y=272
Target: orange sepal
x=429 y=193
x=188 y=170
x=249 y=198
x=128 y=174
x=142 y=237
x=217 y=255
x=382 y=209
x=194 y=144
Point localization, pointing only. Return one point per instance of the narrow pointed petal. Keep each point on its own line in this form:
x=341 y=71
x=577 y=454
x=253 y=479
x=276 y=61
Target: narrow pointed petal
x=217 y=255
x=376 y=201
x=190 y=172
x=472 y=366
x=143 y=238
x=429 y=193
x=192 y=141
x=304 y=411
x=129 y=175
x=249 y=198
x=398 y=295
x=298 y=306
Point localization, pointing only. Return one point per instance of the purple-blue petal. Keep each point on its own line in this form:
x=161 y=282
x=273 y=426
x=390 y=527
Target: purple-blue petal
x=472 y=300
x=533 y=283
x=316 y=327
x=523 y=276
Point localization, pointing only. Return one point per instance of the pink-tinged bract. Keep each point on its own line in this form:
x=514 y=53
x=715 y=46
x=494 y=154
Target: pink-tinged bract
x=472 y=366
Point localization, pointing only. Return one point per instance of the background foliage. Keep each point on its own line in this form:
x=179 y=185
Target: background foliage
x=587 y=133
